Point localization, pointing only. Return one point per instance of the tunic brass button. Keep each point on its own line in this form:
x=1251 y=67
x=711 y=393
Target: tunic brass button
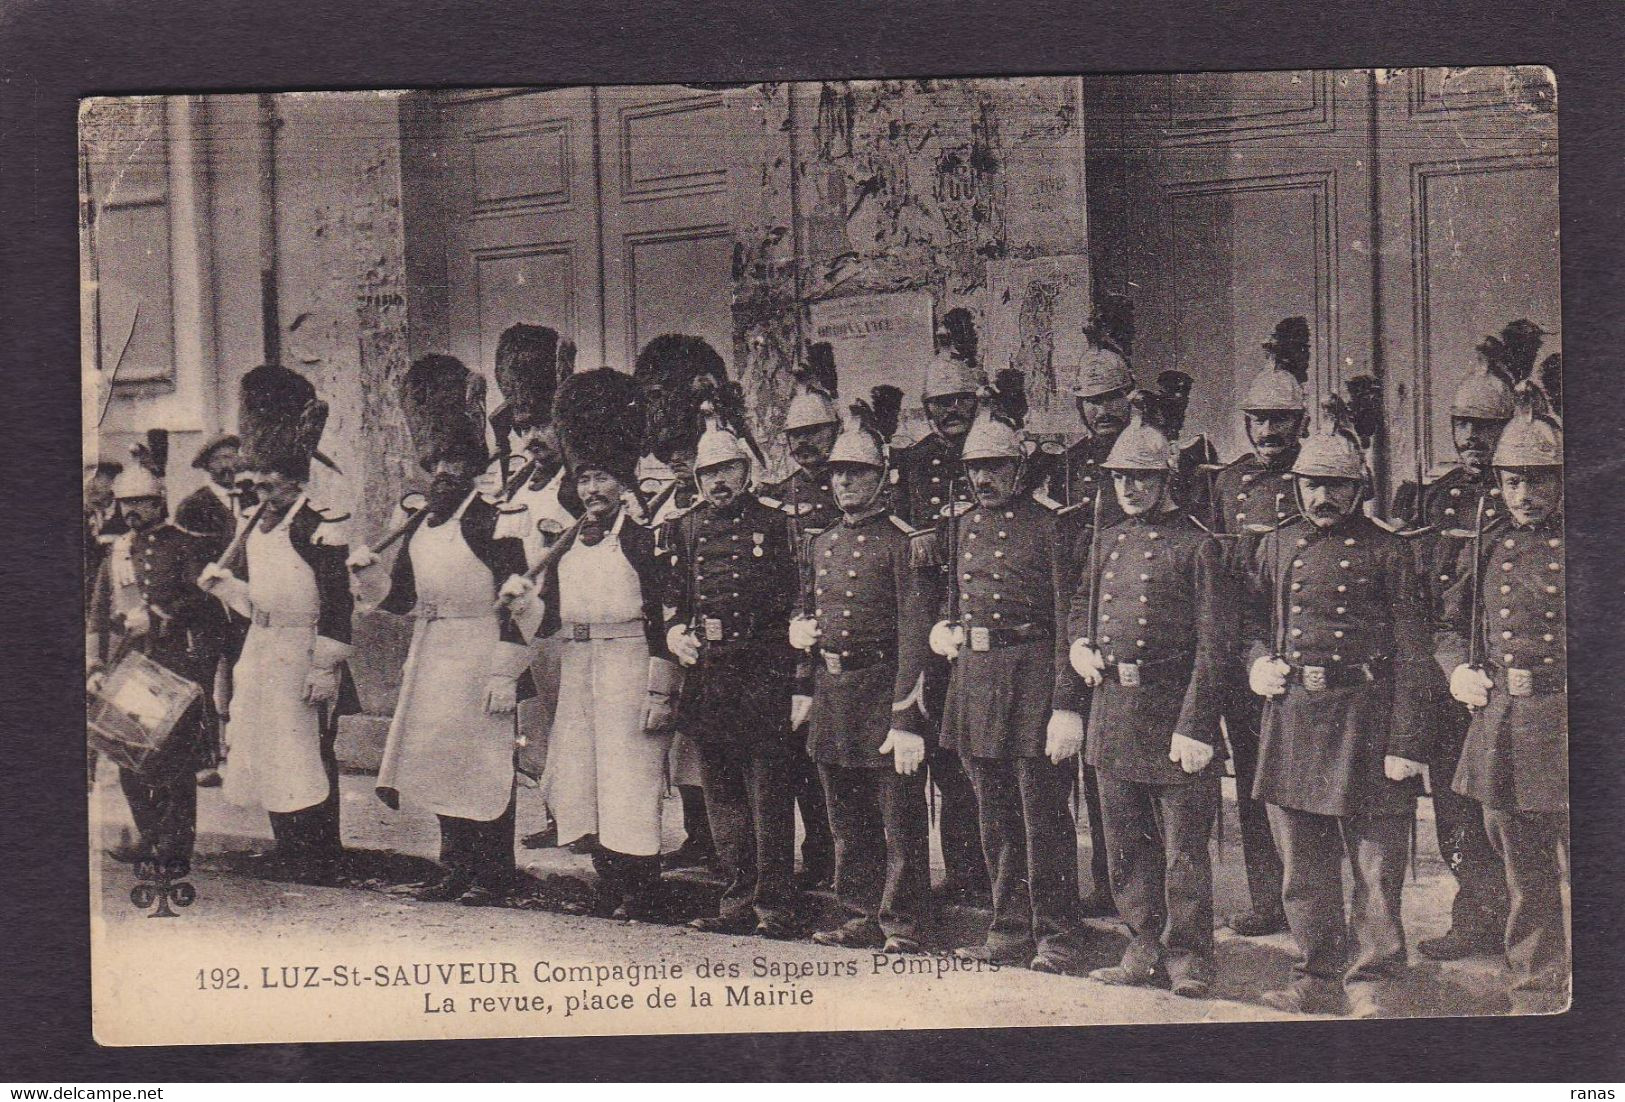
x=1105 y=619
x=1297 y=564
x=1342 y=589
x=1113 y=556
x=1554 y=566
x=1449 y=512
x=1506 y=589
x=1507 y=658
x=1110 y=574
x=936 y=500
x=1296 y=632
x=1554 y=543
x=851 y=573
x=1296 y=586
x=1510 y=544
x=1506 y=635
x=995 y=615
x=1105 y=596
x=1505 y=612
x=1121 y=536
x=1341 y=610
x=1241 y=516
x=1548 y=637
x=1349 y=542
x=1297 y=654
x=1337 y=635
x=1302 y=542
x=998 y=554
x=1550 y=588
x=1145 y=577
x=1105 y=638
x=1506 y=566
x=1296 y=609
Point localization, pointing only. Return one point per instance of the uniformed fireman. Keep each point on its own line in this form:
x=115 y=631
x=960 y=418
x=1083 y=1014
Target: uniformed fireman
x=731 y=582
x=537 y=505
x=450 y=748
x=1151 y=624
x=929 y=477
x=1011 y=712
x=1502 y=640
x=810 y=427
x=1337 y=642
x=291 y=681
x=146 y=600
x=866 y=629
x=1101 y=385
x=1251 y=495
x=1446 y=513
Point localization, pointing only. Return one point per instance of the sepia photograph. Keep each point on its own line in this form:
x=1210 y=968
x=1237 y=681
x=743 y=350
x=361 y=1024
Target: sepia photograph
x=824 y=555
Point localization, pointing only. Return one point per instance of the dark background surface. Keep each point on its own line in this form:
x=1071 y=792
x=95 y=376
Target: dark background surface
x=52 y=52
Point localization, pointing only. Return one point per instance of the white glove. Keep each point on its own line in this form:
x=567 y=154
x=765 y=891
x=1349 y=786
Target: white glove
x=515 y=590
x=1064 y=738
x=1088 y=662
x=804 y=633
x=657 y=713
x=907 y=751
x=682 y=644
x=137 y=621
x=947 y=639
x=501 y=695
x=1470 y=686
x=1191 y=755
x=361 y=558
x=212 y=576
x=800 y=709
x=1396 y=768
x=1268 y=676
x=322 y=685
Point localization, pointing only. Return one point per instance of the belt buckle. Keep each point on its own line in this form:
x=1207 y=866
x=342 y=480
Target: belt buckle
x=832 y=661
x=1314 y=678
x=1520 y=682
x=981 y=639
x=581 y=633
x=1128 y=674
x=713 y=629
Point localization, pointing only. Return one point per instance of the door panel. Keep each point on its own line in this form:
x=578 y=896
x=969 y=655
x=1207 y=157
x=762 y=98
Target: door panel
x=668 y=237
x=522 y=240
x=1467 y=162
x=1226 y=202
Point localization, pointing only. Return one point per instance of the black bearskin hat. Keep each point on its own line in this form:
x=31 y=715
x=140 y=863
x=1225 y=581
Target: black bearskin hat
x=280 y=420
x=677 y=374
x=444 y=404
x=599 y=416
x=531 y=361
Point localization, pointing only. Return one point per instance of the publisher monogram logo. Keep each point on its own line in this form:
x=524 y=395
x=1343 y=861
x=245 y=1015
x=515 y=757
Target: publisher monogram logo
x=162 y=883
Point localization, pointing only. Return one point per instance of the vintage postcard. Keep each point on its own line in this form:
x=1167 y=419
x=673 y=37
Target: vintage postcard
x=835 y=555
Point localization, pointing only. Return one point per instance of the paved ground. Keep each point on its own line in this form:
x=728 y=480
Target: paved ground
x=167 y=986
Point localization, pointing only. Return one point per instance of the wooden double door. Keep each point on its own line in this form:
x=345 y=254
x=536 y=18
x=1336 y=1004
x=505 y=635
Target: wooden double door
x=601 y=212
x=1404 y=213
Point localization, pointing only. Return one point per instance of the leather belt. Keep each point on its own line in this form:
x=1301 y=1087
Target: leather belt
x=587 y=633
x=861 y=659
x=983 y=638
x=265 y=619
x=429 y=610
x=1130 y=674
x=1537 y=681
x=1320 y=678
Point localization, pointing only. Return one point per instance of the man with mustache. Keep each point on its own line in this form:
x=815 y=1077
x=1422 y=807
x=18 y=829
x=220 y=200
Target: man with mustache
x=731 y=583
x=145 y=599
x=451 y=743
x=530 y=362
x=1515 y=762
x=1012 y=707
x=1151 y=624
x=866 y=626
x=600 y=598
x=1449 y=508
x=1250 y=496
x=929 y=478
x=291 y=681
x=810 y=427
x=1101 y=385
x=1338 y=646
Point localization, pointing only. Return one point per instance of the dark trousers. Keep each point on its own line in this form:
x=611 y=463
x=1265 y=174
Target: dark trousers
x=1031 y=845
x=1099 y=866
x=696 y=825
x=625 y=876
x=882 y=846
x=963 y=864
x=1241 y=723
x=1162 y=873
x=817 y=846
x=311 y=834
x=479 y=852
x=1312 y=852
x=1537 y=935
x=164 y=808
x=1481 y=887
x=750 y=800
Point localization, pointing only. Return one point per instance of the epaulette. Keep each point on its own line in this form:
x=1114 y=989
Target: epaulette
x=1069 y=510
x=772 y=502
x=1046 y=501
x=1397 y=528
x=903 y=526
x=924 y=553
